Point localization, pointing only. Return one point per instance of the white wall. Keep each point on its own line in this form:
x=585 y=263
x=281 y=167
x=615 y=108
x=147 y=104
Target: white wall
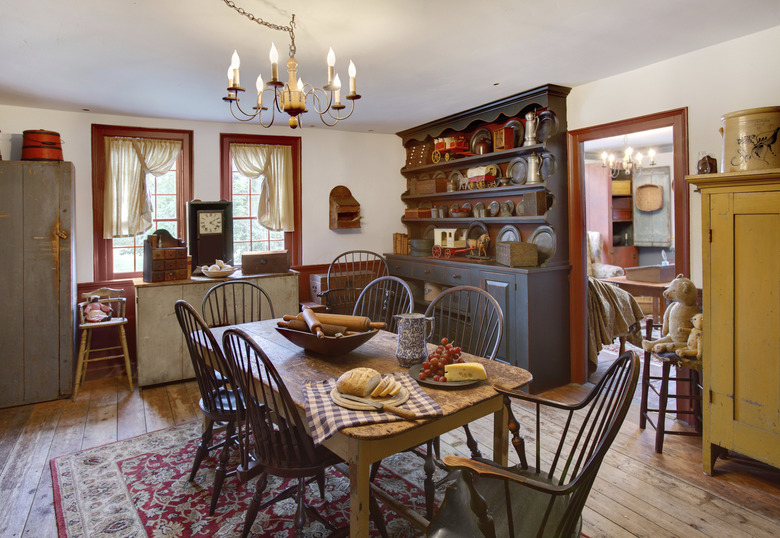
x=731 y=76
x=368 y=164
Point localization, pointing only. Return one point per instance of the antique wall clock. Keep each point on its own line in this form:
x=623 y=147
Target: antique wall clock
x=210 y=232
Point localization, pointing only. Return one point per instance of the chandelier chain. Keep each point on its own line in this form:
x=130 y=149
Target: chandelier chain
x=289 y=29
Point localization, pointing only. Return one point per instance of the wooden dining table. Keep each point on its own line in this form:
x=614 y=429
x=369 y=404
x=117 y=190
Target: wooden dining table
x=361 y=446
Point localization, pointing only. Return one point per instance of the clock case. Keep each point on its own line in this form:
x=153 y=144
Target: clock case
x=205 y=249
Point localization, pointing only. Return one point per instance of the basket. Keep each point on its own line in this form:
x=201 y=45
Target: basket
x=517 y=254
x=649 y=197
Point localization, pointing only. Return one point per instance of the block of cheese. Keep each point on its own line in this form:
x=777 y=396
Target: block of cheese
x=465 y=371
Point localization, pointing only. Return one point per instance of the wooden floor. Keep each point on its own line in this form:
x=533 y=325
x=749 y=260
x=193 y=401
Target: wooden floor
x=637 y=493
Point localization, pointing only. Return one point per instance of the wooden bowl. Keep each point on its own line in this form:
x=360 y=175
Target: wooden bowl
x=329 y=345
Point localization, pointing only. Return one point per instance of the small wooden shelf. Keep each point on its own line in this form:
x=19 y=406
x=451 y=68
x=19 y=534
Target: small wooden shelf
x=531 y=219
x=514 y=190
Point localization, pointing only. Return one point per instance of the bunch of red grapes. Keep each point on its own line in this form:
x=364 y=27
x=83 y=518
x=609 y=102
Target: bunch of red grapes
x=445 y=354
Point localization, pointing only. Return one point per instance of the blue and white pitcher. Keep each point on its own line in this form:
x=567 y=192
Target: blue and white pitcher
x=412 y=336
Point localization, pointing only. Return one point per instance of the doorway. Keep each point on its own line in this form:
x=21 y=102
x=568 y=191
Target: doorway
x=677 y=120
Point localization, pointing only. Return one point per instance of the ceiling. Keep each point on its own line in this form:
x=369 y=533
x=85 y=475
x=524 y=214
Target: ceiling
x=416 y=60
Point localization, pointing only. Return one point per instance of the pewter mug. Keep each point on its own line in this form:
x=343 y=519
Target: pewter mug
x=412 y=336
x=531 y=125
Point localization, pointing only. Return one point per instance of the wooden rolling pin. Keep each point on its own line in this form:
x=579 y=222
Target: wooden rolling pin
x=352 y=323
x=329 y=330
x=315 y=325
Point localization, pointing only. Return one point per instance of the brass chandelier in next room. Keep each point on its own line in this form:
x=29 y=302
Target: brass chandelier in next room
x=290 y=97
x=631 y=162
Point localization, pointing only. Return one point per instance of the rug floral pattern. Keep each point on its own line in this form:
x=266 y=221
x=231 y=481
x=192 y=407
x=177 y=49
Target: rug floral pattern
x=138 y=487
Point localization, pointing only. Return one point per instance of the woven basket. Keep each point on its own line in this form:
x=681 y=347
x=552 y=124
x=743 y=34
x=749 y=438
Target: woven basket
x=649 y=197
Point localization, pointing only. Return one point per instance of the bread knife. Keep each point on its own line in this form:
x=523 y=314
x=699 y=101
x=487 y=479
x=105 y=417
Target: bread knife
x=379 y=406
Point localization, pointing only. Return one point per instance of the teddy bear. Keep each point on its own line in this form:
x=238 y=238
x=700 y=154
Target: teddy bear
x=693 y=347
x=677 y=317
x=95 y=311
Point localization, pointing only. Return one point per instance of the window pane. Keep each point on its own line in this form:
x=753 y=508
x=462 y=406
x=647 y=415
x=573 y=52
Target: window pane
x=253 y=201
x=165 y=207
x=123 y=241
x=240 y=184
x=255 y=183
x=241 y=230
x=258 y=232
x=169 y=225
x=123 y=260
x=166 y=184
x=240 y=206
x=238 y=250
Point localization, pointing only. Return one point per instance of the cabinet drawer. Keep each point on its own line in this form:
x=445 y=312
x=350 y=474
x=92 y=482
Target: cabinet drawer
x=424 y=271
x=456 y=276
x=401 y=269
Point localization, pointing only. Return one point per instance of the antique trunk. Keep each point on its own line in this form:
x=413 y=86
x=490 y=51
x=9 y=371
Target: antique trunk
x=268 y=261
x=534 y=203
x=429 y=186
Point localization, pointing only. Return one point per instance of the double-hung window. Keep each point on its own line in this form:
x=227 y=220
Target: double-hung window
x=163 y=186
x=261 y=176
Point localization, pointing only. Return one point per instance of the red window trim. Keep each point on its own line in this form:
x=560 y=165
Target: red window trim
x=101 y=248
x=292 y=240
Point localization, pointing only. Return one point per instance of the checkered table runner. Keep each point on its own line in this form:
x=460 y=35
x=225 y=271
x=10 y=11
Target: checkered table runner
x=326 y=418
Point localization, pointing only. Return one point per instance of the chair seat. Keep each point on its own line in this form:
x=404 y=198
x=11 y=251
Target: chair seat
x=225 y=404
x=528 y=508
x=113 y=322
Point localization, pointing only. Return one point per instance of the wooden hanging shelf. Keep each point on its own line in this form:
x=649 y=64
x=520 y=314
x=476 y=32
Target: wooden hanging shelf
x=344 y=209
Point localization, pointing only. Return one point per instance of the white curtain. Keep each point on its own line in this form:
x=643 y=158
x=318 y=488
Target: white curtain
x=274 y=164
x=127 y=204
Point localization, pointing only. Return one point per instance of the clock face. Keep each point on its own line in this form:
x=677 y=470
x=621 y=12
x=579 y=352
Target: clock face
x=209 y=222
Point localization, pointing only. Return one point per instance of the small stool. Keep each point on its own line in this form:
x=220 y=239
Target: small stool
x=112 y=306
x=694 y=380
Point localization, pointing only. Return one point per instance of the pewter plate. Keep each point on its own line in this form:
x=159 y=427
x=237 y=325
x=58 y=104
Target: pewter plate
x=507 y=208
x=493 y=208
x=519 y=129
x=509 y=233
x=517 y=170
x=544 y=238
x=476 y=229
x=548 y=125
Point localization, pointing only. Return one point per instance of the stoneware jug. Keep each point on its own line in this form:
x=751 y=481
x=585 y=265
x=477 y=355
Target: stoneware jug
x=412 y=335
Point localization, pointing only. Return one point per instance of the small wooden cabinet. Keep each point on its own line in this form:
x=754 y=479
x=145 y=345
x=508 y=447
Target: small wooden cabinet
x=741 y=339
x=162 y=352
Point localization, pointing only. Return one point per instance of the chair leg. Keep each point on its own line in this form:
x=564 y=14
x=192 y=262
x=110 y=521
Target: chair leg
x=126 y=353
x=80 y=362
x=472 y=443
x=254 y=505
x=300 y=511
x=430 y=488
x=663 y=399
x=645 y=389
x=219 y=477
x=203 y=448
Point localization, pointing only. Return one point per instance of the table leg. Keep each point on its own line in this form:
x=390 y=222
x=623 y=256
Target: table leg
x=501 y=436
x=359 y=490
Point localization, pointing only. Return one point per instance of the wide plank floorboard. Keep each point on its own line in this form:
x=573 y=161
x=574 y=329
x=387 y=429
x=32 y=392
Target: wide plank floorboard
x=637 y=492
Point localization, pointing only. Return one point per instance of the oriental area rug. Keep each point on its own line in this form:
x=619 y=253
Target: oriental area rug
x=138 y=487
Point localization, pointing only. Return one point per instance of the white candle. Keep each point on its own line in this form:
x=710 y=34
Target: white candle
x=331 y=65
x=352 y=73
x=337 y=89
x=259 y=85
x=235 y=64
x=274 y=57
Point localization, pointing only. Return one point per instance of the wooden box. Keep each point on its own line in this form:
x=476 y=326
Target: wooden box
x=417 y=213
x=621 y=187
x=163 y=262
x=651 y=273
x=503 y=138
x=267 y=261
x=429 y=186
x=317 y=283
x=535 y=203
x=517 y=254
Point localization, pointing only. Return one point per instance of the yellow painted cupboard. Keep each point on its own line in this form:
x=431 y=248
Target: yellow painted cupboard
x=741 y=339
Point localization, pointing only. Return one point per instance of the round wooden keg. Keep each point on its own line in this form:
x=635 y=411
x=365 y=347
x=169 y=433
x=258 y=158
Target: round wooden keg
x=40 y=145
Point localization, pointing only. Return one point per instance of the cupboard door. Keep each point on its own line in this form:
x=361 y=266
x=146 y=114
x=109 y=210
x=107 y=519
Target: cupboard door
x=745 y=363
x=502 y=287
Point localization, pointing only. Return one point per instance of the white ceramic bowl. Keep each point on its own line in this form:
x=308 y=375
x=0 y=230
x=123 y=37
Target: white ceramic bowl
x=222 y=273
